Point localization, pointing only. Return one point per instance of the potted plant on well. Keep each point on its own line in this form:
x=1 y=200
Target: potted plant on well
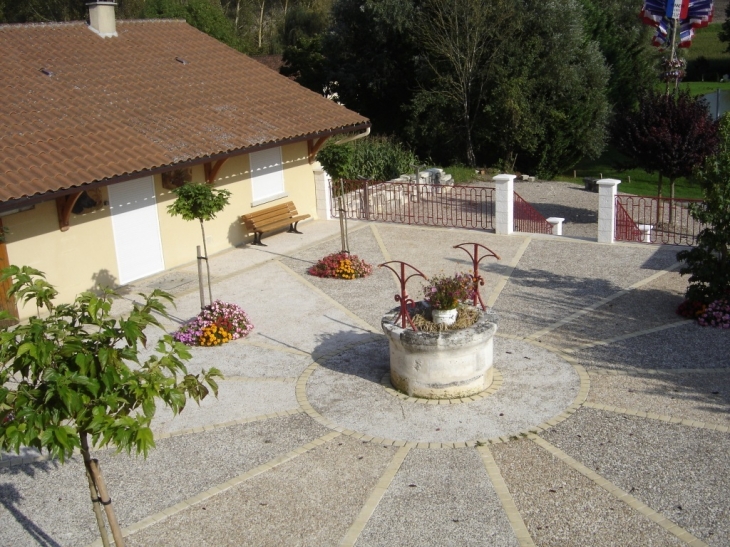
x=444 y=293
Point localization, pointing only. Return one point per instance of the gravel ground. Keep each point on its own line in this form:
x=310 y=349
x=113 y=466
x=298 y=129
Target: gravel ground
x=669 y=467
x=309 y=501
x=562 y=508
x=315 y=496
x=537 y=386
x=439 y=497
x=701 y=397
x=564 y=200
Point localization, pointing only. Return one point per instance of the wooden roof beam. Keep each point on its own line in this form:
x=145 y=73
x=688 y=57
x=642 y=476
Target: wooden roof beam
x=211 y=169
x=64 y=205
x=314 y=146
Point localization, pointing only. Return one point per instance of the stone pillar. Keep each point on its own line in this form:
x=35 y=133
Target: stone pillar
x=322 y=191
x=504 y=206
x=607 y=209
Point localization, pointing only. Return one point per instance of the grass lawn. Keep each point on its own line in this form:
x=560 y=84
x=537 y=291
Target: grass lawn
x=706 y=58
x=633 y=181
x=703 y=88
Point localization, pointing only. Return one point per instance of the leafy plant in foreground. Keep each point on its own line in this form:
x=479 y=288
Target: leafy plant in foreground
x=74 y=379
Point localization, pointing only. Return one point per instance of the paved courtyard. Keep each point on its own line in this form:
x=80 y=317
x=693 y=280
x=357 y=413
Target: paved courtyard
x=608 y=425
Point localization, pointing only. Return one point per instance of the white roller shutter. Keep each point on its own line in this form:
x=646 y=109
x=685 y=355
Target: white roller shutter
x=136 y=229
x=267 y=176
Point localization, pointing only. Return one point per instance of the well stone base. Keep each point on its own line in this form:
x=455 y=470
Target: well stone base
x=441 y=365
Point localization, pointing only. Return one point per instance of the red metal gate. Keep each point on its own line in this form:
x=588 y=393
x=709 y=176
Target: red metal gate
x=411 y=203
x=528 y=219
x=660 y=220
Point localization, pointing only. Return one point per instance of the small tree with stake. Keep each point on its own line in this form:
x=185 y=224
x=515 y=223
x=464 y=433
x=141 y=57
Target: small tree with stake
x=199 y=202
x=74 y=380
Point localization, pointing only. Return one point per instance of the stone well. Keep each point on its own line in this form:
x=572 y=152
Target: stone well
x=441 y=365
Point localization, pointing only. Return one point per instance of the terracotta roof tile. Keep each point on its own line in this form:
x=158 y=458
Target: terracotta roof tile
x=123 y=105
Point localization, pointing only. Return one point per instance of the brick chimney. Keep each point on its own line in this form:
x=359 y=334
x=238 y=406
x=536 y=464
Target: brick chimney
x=102 y=19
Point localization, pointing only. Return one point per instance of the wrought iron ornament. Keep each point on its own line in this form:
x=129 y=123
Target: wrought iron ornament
x=403 y=297
x=476 y=276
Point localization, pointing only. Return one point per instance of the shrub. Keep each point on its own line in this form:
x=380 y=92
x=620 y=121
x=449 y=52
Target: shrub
x=717 y=314
x=375 y=158
x=708 y=264
x=445 y=292
x=341 y=266
x=216 y=324
x=691 y=309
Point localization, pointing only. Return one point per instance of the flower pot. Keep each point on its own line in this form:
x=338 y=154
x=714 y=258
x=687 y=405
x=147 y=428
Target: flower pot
x=444 y=317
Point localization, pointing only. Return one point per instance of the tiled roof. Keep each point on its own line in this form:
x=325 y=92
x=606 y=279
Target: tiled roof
x=274 y=62
x=160 y=93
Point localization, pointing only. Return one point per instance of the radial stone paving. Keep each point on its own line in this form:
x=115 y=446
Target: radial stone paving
x=607 y=423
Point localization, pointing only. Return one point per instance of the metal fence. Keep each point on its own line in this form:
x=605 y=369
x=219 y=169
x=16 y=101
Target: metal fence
x=412 y=203
x=656 y=220
x=528 y=219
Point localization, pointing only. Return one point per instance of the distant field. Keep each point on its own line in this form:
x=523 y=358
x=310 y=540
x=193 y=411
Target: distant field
x=706 y=58
x=703 y=88
x=633 y=181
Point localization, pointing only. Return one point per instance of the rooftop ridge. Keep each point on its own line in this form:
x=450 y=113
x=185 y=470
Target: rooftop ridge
x=46 y=24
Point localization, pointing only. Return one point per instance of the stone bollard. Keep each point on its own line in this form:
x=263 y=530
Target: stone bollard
x=557 y=224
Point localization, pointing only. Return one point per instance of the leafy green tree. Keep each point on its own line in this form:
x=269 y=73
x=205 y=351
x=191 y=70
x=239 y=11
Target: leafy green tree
x=74 y=379
x=548 y=106
x=724 y=34
x=206 y=16
x=625 y=42
x=461 y=38
x=199 y=202
x=31 y=11
x=303 y=57
x=708 y=264
x=371 y=51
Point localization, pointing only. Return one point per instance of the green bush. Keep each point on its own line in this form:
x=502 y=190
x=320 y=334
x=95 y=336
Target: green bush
x=708 y=264
x=374 y=158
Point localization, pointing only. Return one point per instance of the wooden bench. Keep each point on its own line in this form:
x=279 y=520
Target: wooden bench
x=272 y=218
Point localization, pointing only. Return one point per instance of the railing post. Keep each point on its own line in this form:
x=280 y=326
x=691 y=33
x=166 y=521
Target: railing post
x=322 y=191
x=504 y=204
x=607 y=189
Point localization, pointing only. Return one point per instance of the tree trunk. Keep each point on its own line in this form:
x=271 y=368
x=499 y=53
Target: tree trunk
x=207 y=263
x=471 y=158
x=261 y=22
x=659 y=208
x=286 y=6
x=100 y=496
x=671 y=201
x=238 y=14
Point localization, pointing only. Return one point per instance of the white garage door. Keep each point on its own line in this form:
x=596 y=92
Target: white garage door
x=136 y=229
